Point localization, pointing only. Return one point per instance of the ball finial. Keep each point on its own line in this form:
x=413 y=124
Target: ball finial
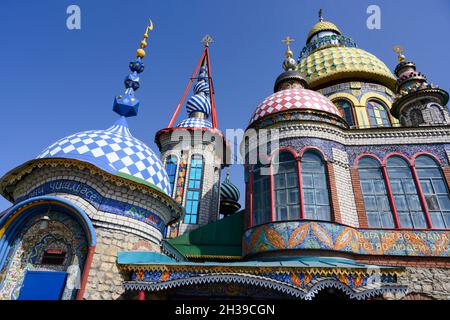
x=399 y=51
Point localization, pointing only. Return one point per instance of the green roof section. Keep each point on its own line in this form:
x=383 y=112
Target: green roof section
x=221 y=239
x=142 y=257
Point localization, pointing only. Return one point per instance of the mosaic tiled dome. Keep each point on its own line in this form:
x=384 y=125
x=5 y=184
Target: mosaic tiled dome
x=115 y=151
x=334 y=63
x=323 y=26
x=291 y=99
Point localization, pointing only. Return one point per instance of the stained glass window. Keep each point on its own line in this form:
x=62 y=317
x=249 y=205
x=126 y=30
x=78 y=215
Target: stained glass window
x=378 y=114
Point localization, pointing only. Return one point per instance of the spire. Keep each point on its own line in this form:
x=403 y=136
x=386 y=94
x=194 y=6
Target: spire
x=201 y=105
x=126 y=104
x=320 y=15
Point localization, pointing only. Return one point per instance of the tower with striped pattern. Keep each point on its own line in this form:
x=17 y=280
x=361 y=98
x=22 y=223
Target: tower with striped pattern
x=193 y=151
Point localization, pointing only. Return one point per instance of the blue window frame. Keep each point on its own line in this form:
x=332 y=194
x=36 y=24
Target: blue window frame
x=194 y=189
x=261 y=209
x=376 y=200
x=404 y=191
x=435 y=191
x=315 y=187
x=345 y=108
x=171 y=169
x=287 y=196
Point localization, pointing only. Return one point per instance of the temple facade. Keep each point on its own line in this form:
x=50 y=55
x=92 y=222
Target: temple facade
x=347 y=176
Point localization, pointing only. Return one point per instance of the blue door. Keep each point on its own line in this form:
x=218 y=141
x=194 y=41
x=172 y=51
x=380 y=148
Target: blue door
x=43 y=285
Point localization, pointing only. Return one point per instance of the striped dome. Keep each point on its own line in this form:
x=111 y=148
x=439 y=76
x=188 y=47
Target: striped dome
x=199 y=103
x=201 y=86
x=292 y=99
x=115 y=151
x=229 y=192
x=195 y=123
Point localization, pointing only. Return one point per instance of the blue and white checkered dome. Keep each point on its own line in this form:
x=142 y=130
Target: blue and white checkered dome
x=229 y=192
x=199 y=103
x=195 y=123
x=113 y=150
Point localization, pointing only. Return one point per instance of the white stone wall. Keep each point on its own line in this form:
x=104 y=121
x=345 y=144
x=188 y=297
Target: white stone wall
x=429 y=282
x=344 y=188
x=209 y=203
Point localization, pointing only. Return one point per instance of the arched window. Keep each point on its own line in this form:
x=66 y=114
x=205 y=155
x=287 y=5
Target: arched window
x=345 y=108
x=376 y=201
x=286 y=191
x=404 y=192
x=314 y=187
x=171 y=169
x=261 y=209
x=378 y=114
x=416 y=117
x=434 y=190
x=194 y=189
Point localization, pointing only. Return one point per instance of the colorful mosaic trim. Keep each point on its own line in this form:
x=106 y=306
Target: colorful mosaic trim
x=304 y=115
x=97 y=200
x=300 y=285
x=18 y=173
x=307 y=235
x=256 y=269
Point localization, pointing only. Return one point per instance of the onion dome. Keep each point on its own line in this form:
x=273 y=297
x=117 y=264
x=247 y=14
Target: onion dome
x=115 y=151
x=322 y=26
x=198 y=106
x=329 y=56
x=294 y=99
x=229 y=197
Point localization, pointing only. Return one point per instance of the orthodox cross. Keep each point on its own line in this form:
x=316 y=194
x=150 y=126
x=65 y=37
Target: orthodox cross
x=207 y=40
x=288 y=41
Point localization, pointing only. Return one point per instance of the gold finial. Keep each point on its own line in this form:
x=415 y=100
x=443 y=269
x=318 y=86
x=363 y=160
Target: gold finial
x=399 y=51
x=320 y=14
x=141 y=52
x=288 y=41
x=207 y=40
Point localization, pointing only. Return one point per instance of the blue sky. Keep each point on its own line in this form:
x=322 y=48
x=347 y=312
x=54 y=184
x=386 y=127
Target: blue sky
x=55 y=81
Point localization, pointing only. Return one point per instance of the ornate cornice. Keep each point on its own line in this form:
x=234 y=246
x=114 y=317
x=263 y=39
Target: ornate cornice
x=14 y=176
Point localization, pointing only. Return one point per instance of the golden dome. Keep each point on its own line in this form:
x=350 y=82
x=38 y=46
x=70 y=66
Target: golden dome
x=337 y=63
x=323 y=26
